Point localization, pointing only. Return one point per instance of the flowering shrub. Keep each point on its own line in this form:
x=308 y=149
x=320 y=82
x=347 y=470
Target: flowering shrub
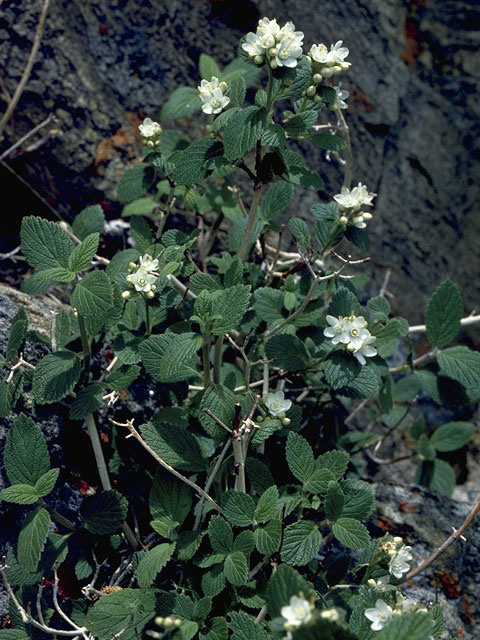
x=249 y=515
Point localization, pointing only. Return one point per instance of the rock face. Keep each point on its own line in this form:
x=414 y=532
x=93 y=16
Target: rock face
x=413 y=110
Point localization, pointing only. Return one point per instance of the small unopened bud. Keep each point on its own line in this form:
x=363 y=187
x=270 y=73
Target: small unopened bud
x=132 y=265
x=260 y=419
x=357 y=219
x=150 y=143
x=159 y=620
x=336 y=69
x=223 y=86
x=273 y=64
x=273 y=52
x=327 y=73
x=350 y=347
x=304 y=93
x=311 y=91
x=287 y=82
x=259 y=60
x=168 y=621
x=317 y=78
x=128 y=278
x=286 y=422
x=367 y=215
x=63 y=224
x=153 y=287
x=371 y=583
x=75 y=313
x=282 y=415
x=398 y=540
x=178 y=622
x=343 y=220
x=150 y=295
x=317 y=99
x=397 y=612
x=209 y=128
x=126 y=295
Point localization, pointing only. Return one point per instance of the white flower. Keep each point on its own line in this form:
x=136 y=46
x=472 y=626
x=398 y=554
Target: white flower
x=404 y=604
x=283 y=46
x=319 y=53
x=354 y=198
x=352 y=332
x=337 y=54
x=276 y=403
x=142 y=280
x=148 y=263
x=298 y=612
x=381 y=585
x=338 y=330
x=398 y=564
x=330 y=614
x=211 y=94
x=329 y=63
x=379 y=615
x=149 y=128
x=342 y=95
x=365 y=350
x=289 y=49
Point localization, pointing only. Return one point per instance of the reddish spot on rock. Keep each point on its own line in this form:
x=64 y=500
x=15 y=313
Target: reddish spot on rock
x=449 y=583
x=385 y=524
x=406 y=507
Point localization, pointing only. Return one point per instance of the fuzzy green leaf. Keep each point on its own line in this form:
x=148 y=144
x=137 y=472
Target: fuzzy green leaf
x=242 y=131
x=300 y=231
x=409 y=626
x=269 y=305
x=238 y=508
x=220 y=534
x=176 y=446
x=301 y=542
x=276 y=200
x=341 y=368
x=460 y=364
x=191 y=167
x=19 y=494
x=288 y=352
x=443 y=314
x=452 y=436
x=274 y=136
x=112 y=613
x=285 y=583
x=46 y=483
x=335 y=461
x=93 y=299
x=82 y=255
x=55 y=376
x=170 y=357
x=135 y=183
x=89 y=220
x=32 y=539
x=299 y=457
x=16 y=339
x=358 y=499
x=183 y=102
x=235 y=568
x=152 y=562
x=221 y=402
x=328 y=141
x=237 y=91
x=351 y=533
x=105 y=512
x=45 y=244
x=245 y=627
x=26 y=457
x=87 y=401
x=268 y=537
x=230 y=306
x=344 y=303
x=213 y=581
x=443 y=478
x=334 y=501
x=267 y=506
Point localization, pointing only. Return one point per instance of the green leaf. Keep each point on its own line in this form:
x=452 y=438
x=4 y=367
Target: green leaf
x=300 y=77
x=234 y=274
x=267 y=506
x=358 y=237
x=334 y=461
x=379 y=307
x=45 y=244
x=299 y=457
x=327 y=229
x=245 y=627
x=334 y=501
x=89 y=220
x=221 y=402
x=220 y=534
x=55 y=376
x=176 y=446
x=135 y=183
x=365 y=385
x=276 y=200
x=244 y=542
x=218 y=630
x=105 y=512
x=170 y=357
x=16 y=339
x=32 y=538
x=301 y=542
x=300 y=231
x=358 y=499
x=13 y=634
x=344 y=303
x=452 y=436
x=259 y=475
x=318 y=482
x=443 y=478
x=268 y=538
x=202 y=608
x=19 y=494
x=274 y=136
x=112 y=613
x=213 y=581
x=87 y=401
x=409 y=626
x=82 y=255
x=120 y=261
x=288 y=352
x=328 y=141
x=139 y=207
x=235 y=568
x=460 y=364
x=425 y=449
x=285 y=583
x=299 y=124
x=183 y=102
x=152 y=562
x=242 y=131
x=63 y=329
x=443 y=314
x=351 y=533
x=93 y=299
x=26 y=457
x=170 y=498
x=46 y=483
x=230 y=306
x=208 y=67
x=269 y=304
x=191 y=167
x=340 y=369
x=238 y=508
x=10 y=392
x=237 y=92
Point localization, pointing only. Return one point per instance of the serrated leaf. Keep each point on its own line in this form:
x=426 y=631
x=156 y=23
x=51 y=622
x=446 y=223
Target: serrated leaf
x=287 y=351
x=13 y=634
x=443 y=314
x=237 y=92
x=328 y=141
x=89 y=220
x=87 y=401
x=45 y=244
x=267 y=506
x=365 y=385
x=259 y=475
x=452 y=436
x=242 y=131
x=32 y=539
x=221 y=402
x=245 y=627
x=344 y=303
x=63 y=330
x=170 y=357
x=170 y=498
x=285 y=583
x=93 y=299
x=202 y=608
x=235 y=568
x=55 y=376
x=82 y=255
x=359 y=501
x=300 y=77
x=300 y=123
x=379 y=307
x=46 y=483
x=176 y=446
x=230 y=306
x=105 y=512
x=135 y=183
x=276 y=200
x=139 y=207
x=203 y=281
x=460 y=364
x=334 y=501
x=358 y=237
x=208 y=67
x=26 y=457
x=188 y=543
x=152 y=563
x=183 y=102
x=213 y=581
x=19 y=494
x=218 y=630
x=327 y=229
x=122 y=376
x=300 y=231
x=120 y=261
x=16 y=339
x=141 y=234
x=273 y=136
x=113 y=612
x=340 y=369
x=10 y=392
x=334 y=461
x=269 y=304
x=220 y=534
x=443 y=478
x=268 y=537
x=318 y=482
x=192 y=164
x=351 y=533
x=238 y=508
x=301 y=542
x=409 y=626
x=244 y=542
x=84 y=568
x=299 y=457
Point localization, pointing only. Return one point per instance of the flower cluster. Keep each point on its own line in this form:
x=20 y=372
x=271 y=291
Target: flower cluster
x=398 y=564
x=150 y=132
x=352 y=332
x=296 y=613
x=280 y=47
x=212 y=95
x=351 y=201
x=325 y=63
x=143 y=276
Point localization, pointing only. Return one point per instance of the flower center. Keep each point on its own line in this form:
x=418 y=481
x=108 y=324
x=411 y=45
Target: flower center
x=142 y=281
x=354 y=332
x=215 y=103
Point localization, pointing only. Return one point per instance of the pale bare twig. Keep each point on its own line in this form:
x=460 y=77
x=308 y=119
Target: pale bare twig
x=464 y=322
x=24 y=138
x=208 y=484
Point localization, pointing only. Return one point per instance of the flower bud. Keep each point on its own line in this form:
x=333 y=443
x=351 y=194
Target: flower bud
x=286 y=422
x=153 y=287
x=128 y=279
x=343 y=220
x=126 y=295
x=281 y=416
x=132 y=265
x=273 y=64
x=367 y=215
x=317 y=99
x=311 y=91
x=357 y=219
x=350 y=347
x=317 y=78
x=336 y=69
x=223 y=86
x=287 y=82
x=168 y=621
x=150 y=143
x=159 y=620
x=371 y=583
x=260 y=419
x=273 y=52
x=178 y=622
x=398 y=540
x=63 y=224
x=150 y=295
x=259 y=60
x=209 y=128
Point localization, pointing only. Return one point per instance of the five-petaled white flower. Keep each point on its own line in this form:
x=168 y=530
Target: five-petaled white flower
x=379 y=615
x=281 y=46
x=144 y=275
x=277 y=404
x=296 y=613
x=352 y=332
x=149 y=128
x=398 y=564
x=382 y=584
x=354 y=198
x=212 y=95
x=342 y=95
